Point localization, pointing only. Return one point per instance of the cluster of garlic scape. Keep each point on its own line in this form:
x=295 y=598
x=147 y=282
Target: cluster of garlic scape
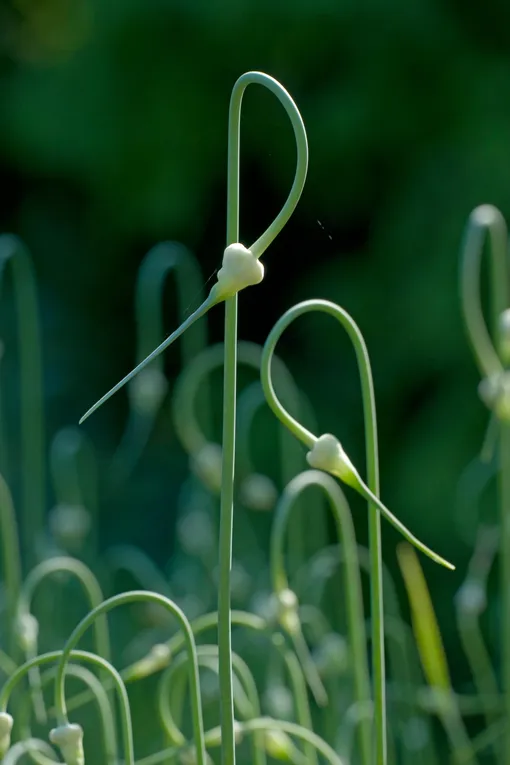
x=241 y=268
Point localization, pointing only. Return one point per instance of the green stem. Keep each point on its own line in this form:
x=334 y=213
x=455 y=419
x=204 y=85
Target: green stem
x=230 y=380
x=226 y=532
x=103 y=608
x=479 y=661
x=98 y=661
x=370 y=422
x=162 y=260
x=93 y=594
x=90 y=586
x=504 y=500
x=301 y=703
x=29 y=746
x=142 y=568
x=11 y=559
x=403 y=659
x=150 y=664
x=208 y=303
x=483 y=220
x=471 y=602
x=192 y=377
x=352 y=593
x=32 y=417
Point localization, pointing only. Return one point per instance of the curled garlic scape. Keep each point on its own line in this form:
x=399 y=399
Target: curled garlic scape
x=326 y=452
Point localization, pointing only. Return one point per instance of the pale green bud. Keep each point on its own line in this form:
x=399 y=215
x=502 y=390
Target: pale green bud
x=27 y=631
x=494 y=391
x=279 y=745
x=214 y=737
x=158 y=658
x=328 y=455
x=69 y=739
x=287 y=610
x=240 y=269
x=69 y=525
x=147 y=390
x=6 y=723
x=258 y=492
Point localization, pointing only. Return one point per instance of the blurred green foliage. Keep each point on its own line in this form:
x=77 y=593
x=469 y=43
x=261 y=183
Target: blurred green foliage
x=113 y=137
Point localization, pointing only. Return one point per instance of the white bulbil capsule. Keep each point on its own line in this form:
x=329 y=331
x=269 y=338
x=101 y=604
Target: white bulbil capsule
x=6 y=723
x=328 y=455
x=69 y=739
x=286 y=607
x=240 y=269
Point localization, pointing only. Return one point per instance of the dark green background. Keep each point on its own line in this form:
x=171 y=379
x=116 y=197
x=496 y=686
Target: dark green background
x=113 y=121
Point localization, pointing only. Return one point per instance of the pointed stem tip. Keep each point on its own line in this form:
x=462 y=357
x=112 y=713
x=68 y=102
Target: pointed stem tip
x=201 y=310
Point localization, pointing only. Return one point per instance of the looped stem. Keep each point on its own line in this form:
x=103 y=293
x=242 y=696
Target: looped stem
x=484 y=219
x=54 y=656
x=370 y=492
x=13 y=252
x=353 y=593
x=108 y=605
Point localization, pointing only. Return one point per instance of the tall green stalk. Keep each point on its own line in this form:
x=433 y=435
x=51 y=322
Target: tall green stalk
x=326 y=453
x=11 y=562
x=241 y=268
x=492 y=358
x=32 y=424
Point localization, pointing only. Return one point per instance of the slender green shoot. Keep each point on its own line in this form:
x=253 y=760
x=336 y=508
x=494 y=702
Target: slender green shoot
x=352 y=591
x=493 y=359
x=12 y=251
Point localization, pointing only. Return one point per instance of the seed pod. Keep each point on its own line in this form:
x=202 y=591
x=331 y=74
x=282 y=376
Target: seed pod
x=6 y=723
x=279 y=745
x=69 y=739
x=328 y=455
x=240 y=269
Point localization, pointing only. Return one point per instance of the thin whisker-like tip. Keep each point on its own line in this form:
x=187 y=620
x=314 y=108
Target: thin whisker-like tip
x=87 y=414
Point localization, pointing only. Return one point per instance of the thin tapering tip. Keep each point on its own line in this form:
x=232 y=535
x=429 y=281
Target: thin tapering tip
x=208 y=303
